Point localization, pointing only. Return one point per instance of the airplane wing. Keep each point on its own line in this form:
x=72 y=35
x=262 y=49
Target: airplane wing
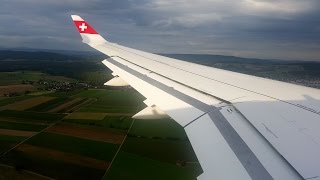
x=240 y=126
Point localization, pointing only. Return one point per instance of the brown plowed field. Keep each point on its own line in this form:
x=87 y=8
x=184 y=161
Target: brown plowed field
x=16 y=88
x=65 y=105
x=9 y=172
x=86 y=115
x=28 y=103
x=94 y=116
x=92 y=133
x=10 y=132
x=62 y=156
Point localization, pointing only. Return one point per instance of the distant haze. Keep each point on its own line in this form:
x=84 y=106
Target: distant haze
x=270 y=29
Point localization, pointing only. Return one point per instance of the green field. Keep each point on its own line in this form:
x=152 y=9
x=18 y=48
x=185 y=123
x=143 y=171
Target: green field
x=8 y=78
x=20 y=126
x=153 y=149
x=111 y=101
x=130 y=166
x=49 y=105
x=162 y=128
x=11 y=100
x=39 y=93
x=31 y=116
x=50 y=167
x=96 y=77
x=11 y=173
x=6 y=142
x=84 y=147
x=116 y=122
x=75 y=105
x=144 y=154
x=66 y=94
x=158 y=149
x=11 y=138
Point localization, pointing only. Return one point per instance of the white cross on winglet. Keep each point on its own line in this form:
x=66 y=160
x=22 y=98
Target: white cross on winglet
x=83 y=27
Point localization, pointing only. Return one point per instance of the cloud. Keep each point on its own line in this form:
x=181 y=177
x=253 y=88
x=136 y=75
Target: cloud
x=252 y=28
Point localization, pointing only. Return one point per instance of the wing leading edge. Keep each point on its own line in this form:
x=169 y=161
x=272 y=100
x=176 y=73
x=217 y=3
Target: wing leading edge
x=240 y=126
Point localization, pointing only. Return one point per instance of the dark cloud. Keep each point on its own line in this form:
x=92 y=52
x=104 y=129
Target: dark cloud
x=286 y=29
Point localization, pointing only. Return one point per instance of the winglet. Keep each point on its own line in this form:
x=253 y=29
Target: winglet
x=88 y=34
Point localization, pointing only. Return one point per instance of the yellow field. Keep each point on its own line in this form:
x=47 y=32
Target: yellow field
x=20 y=88
x=87 y=116
x=28 y=103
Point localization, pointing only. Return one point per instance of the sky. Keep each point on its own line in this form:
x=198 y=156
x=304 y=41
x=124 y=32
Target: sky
x=270 y=29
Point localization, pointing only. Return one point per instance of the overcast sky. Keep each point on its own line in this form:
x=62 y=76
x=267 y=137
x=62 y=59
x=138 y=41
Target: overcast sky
x=281 y=29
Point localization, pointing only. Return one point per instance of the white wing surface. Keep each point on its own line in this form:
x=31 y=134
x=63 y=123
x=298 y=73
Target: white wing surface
x=240 y=126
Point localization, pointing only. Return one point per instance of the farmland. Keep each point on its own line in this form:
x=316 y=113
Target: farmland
x=131 y=166
x=58 y=121
x=82 y=131
x=28 y=103
x=17 y=77
x=20 y=88
x=120 y=101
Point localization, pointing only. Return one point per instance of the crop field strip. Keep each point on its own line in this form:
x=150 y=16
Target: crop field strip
x=83 y=158
x=9 y=171
x=86 y=116
x=10 y=100
x=31 y=116
x=8 y=78
x=28 y=103
x=154 y=148
x=21 y=126
x=96 y=115
x=46 y=106
x=101 y=137
x=132 y=166
x=120 y=146
x=60 y=105
x=162 y=138
x=69 y=106
x=158 y=165
x=13 y=78
x=62 y=156
x=50 y=166
x=19 y=88
x=78 y=105
x=89 y=148
x=145 y=151
x=166 y=129
x=80 y=158
x=87 y=132
x=16 y=126
x=110 y=101
x=21 y=142
x=14 y=120
x=8 y=142
x=10 y=132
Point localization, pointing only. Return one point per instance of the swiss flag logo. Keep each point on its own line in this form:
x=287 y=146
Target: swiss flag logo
x=84 y=27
